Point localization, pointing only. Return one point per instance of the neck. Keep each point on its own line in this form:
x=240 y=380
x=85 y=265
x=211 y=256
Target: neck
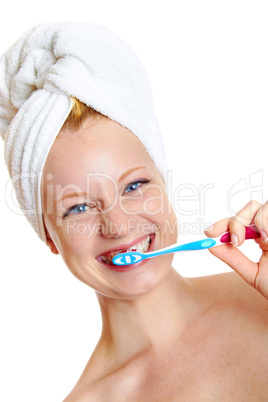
x=148 y=321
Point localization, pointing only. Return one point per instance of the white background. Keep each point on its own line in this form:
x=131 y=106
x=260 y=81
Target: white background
x=208 y=65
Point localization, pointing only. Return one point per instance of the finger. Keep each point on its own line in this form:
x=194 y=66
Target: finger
x=243 y=218
x=237 y=261
x=260 y=282
x=261 y=221
x=263 y=245
x=218 y=228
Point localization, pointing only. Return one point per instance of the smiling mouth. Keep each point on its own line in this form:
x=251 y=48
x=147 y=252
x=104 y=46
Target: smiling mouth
x=142 y=247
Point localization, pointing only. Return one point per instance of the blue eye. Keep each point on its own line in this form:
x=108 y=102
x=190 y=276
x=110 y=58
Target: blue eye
x=77 y=209
x=135 y=185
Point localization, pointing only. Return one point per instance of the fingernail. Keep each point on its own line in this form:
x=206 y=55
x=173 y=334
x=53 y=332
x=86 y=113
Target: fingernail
x=209 y=229
x=234 y=240
x=264 y=236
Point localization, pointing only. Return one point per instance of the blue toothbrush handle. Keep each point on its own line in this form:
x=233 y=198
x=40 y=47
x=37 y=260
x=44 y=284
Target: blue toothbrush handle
x=133 y=257
x=195 y=245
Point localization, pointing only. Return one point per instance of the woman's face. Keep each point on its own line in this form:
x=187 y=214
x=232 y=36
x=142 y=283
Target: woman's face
x=102 y=194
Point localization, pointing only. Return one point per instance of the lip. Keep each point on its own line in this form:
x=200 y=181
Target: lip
x=123 y=247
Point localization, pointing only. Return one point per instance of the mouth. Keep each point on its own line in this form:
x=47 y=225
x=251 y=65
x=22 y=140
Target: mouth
x=142 y=247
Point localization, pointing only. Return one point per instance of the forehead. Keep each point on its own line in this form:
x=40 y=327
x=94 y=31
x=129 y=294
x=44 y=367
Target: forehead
x=100 y=146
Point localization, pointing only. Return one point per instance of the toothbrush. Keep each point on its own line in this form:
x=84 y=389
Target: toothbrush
x=133 y=257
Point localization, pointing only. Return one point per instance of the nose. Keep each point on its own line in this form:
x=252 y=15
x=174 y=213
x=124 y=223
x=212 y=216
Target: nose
x=115 y=222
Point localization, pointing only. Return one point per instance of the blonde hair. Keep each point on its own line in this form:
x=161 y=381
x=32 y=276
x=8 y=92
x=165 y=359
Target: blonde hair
x=78 y=114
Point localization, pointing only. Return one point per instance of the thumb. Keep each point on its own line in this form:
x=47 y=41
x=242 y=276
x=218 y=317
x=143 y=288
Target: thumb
x=236 y=260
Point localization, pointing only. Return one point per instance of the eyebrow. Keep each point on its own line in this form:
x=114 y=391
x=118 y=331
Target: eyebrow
x=128 y=172
x=71 y=195
x=122 y=177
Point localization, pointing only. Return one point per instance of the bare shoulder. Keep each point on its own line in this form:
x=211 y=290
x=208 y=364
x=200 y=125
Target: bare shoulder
x=85 y=394
x=115 y=387
x=230 y=287
x=237 y=318
x=231 y=295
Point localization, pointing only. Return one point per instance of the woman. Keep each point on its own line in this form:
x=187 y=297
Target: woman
x=100 y=190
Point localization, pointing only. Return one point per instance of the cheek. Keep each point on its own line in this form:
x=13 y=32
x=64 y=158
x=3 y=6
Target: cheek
x=172 y=227
x=75 y=250
x=131 y=205
x=70 y=238
x=156 y=203
x=168 y=225
x=151 y=202
x=158 y=209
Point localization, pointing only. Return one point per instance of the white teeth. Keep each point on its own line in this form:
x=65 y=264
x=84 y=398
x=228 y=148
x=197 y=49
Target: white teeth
x=141 y=247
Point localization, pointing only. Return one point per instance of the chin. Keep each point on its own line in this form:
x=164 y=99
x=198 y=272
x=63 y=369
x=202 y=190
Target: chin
x=144 y=279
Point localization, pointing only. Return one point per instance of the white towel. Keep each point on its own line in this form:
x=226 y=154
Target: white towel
x=38 y=75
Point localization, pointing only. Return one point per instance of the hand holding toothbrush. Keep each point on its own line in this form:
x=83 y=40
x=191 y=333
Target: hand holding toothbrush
x=256 y=274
